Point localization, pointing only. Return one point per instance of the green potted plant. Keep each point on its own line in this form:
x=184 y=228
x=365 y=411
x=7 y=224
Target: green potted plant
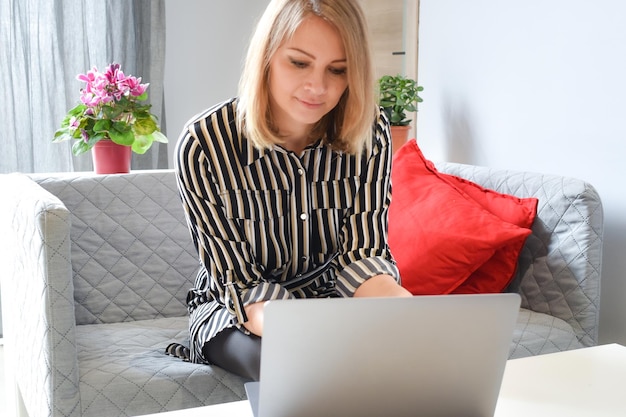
x=110 y=120
x=398 y=95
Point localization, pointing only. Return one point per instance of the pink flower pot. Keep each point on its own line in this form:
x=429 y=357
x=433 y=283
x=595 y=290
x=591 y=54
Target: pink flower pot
x=111 y=158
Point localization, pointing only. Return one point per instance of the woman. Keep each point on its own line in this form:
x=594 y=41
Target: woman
x=286 y=188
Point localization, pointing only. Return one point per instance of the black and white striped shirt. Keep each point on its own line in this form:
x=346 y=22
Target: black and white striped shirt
x=271 y=224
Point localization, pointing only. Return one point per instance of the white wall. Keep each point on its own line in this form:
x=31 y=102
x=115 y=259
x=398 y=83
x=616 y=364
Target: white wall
x=534 y=85
x=206 y=42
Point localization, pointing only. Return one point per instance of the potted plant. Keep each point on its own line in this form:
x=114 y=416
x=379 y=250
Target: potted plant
x=110 y=120
x=398 y=95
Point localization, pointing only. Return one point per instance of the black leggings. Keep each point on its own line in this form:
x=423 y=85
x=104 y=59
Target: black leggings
x=236 y=352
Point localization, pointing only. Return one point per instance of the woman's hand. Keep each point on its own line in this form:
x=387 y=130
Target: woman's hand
x=378 y=286
x=381 y=286
x=254 y=312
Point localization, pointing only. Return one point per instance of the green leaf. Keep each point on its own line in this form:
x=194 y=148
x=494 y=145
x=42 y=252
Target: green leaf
x=396 y=118
x=102 y=125
x=61 y=135
x=143 y=97
x=80 y=147
x=121 y=127
x=159 y=137
x=142 y=143
x=75 y=112
x=144 y=126
x=78 y=110
x=77 y=134
x=111 y=112
x=143 y=112
x=122 y=134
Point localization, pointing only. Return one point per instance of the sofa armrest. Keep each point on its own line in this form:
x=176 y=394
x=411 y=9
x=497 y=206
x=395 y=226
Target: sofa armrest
x=38 y=297
x=559 y=268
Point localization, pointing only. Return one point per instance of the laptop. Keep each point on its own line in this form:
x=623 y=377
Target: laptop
x=441 y=355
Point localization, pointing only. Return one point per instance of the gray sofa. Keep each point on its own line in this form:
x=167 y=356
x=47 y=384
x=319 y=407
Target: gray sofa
x=95 y=271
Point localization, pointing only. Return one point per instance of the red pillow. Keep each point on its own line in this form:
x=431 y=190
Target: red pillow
x=490 y=277
x=450 y=235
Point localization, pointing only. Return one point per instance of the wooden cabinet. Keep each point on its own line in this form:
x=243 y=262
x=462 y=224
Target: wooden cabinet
x=393 y=26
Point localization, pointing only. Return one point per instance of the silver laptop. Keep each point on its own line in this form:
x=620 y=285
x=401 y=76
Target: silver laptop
x=419 y=356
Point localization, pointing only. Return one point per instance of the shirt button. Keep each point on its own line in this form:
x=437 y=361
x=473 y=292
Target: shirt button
x=305 y=258
x=303 y=216
x=300 y=171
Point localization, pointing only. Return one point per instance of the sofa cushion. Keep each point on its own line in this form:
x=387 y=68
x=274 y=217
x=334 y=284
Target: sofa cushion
x=124 y=371
x=132 y=256
x=539 y=333
x=450 y=235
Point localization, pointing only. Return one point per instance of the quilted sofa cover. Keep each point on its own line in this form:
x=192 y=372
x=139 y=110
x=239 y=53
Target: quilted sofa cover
x=95 y=270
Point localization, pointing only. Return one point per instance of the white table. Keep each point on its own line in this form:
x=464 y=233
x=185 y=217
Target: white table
x=588 y=382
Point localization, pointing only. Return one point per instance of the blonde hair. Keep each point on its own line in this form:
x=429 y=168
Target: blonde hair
x=348 y=127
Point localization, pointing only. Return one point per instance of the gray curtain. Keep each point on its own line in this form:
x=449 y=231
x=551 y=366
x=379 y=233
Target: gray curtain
x=44 y=44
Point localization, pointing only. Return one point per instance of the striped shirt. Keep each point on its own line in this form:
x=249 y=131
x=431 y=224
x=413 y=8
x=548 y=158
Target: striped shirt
x=271 y=224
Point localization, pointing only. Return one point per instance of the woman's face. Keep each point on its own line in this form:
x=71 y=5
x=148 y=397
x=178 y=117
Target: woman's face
x=307 y=78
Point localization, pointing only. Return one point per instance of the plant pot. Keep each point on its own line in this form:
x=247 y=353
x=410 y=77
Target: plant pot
x=111 y=158
x=399 y=136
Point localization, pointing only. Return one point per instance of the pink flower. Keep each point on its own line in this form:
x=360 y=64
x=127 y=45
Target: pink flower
x=134 y=85
x=110 y=86
x=74 y=123
x=89 y=99
x=113 y=72
x=89 y=77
